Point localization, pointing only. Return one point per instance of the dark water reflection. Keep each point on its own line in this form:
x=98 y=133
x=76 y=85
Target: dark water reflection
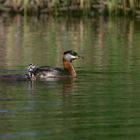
x=102 y=103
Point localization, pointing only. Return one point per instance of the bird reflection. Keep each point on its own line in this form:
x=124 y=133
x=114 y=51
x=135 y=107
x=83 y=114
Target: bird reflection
x=67 y=85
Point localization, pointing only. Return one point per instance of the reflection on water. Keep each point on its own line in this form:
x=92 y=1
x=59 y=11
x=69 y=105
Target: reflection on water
x=103 y=102
x=66 y=84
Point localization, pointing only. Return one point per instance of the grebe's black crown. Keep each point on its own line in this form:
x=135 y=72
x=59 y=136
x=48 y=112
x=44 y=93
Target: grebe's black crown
x=70 y=52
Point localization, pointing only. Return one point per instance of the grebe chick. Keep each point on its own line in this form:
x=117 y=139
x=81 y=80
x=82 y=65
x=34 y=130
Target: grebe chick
x=45 y=72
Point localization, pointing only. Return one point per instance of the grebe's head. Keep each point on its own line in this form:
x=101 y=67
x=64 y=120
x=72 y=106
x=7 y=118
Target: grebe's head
x=71 y=55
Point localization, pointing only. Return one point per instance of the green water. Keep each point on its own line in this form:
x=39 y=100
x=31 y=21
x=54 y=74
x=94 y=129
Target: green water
x=102 y=103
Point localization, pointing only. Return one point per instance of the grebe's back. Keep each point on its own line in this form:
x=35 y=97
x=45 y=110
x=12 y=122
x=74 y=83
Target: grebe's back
x=47 y=71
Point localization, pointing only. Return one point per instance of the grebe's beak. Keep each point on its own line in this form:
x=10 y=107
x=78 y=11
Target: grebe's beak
x=77 y=57
x=80 y=57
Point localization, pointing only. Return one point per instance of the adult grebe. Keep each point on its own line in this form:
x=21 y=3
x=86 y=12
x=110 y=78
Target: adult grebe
x=45 y=72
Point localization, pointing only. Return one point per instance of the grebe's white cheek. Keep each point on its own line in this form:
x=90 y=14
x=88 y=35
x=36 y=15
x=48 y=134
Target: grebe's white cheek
x=69 y=57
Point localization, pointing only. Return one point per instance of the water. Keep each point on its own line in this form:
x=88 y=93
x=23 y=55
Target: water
x=103 y=102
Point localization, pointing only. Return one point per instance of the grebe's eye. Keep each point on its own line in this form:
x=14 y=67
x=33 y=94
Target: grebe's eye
x=73 y=53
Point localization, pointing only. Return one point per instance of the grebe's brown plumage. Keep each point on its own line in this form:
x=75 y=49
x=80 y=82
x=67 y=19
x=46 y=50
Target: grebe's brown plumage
x=45 y=72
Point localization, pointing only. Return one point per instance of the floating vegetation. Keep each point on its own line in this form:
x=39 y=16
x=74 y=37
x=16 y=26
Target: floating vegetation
x=73 y=7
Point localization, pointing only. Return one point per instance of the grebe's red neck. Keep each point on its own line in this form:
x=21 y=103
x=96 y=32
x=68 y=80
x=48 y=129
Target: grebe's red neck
x=69 y=68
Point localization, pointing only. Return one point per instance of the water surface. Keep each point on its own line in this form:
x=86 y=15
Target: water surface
x=103 y=102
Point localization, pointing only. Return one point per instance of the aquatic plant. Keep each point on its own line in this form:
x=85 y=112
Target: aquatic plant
x=90 y=7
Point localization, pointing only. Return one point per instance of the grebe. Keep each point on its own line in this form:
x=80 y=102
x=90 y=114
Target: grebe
x=45 y=72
